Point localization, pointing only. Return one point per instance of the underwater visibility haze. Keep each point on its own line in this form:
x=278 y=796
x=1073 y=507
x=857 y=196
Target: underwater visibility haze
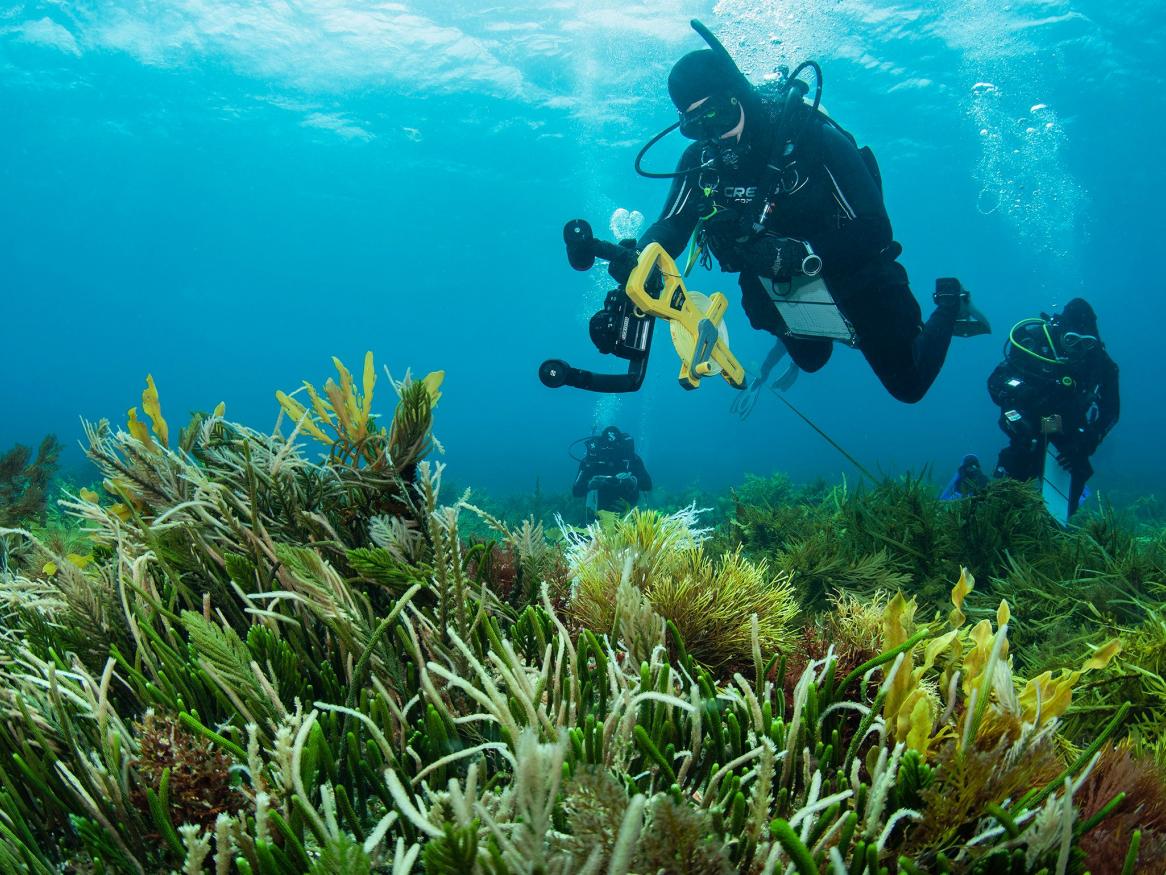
x=299 y=587
x=219 y=193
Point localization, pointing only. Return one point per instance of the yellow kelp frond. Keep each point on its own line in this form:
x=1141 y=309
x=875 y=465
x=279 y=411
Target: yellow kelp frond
x=898 y=624
x=220 y=410
x=368 y=383
x=956 y=639
x=937 y=646
x=345 y=420
x=301 y=416
x=153 y=409
x=916 y=719
x=139 y=430
x=1103 y=655
x=340 y=415
x=898 y=621
x=88 y=495
x=959 y=592
x=432 y=382
x=79 y=560
x=976 y=660
x=1045 y=697
x=341 y=408
x=348 y=404
x=323 y=411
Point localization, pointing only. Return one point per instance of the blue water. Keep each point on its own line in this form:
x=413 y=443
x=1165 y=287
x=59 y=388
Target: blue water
x=224 y=194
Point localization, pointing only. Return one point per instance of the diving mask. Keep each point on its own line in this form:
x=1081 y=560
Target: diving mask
x=711 y=118
x=1074 y=342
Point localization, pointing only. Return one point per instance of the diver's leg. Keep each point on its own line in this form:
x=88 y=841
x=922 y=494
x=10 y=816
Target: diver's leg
x=1022 y=459
x=1080 y=470
x=808 y=354
x=905 y=353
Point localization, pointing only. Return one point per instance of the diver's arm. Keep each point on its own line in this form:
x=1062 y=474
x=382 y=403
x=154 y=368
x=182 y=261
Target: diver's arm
x=1108 y=404
x=579 y=488
x=997 y=382
x=681 y=210
x=866 y=230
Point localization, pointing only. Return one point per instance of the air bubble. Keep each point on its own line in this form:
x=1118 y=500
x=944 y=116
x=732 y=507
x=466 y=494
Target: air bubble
x=988 y=201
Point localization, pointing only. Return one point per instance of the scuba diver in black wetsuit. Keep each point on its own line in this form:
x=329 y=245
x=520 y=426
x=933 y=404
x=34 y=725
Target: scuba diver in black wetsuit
x=778 y=191
x=1058 y=385
x=969 y=479
x=611 y=473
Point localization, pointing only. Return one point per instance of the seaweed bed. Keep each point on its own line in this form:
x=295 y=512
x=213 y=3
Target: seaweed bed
x=238 y=653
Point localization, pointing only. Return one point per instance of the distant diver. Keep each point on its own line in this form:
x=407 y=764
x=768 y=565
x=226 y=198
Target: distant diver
x=783 y=196
x=968 y=480
x=611 y=473
x=1058 y=387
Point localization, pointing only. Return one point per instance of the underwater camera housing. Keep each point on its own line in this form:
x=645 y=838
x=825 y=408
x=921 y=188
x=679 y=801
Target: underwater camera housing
x=619 y=328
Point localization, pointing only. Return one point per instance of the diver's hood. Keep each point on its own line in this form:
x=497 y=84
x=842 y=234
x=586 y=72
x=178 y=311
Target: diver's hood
x=703 y=73
x=712 y=73
x=1078 y=316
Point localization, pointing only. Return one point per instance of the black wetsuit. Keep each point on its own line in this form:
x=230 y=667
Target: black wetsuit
x=828 y=193
x=1083 y=393
x=615 y=472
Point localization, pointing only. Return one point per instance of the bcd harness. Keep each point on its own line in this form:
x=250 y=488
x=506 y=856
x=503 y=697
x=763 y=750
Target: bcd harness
x=805 y=302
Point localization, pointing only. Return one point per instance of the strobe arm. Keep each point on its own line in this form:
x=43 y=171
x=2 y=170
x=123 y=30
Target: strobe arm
x=556 y=373
x=615 y=330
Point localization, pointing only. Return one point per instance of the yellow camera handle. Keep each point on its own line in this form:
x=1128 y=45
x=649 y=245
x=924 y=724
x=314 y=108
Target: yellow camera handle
x=697 y=334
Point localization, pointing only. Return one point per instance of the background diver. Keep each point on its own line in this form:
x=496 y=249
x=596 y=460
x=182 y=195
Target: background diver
x=969 y=479
x=771 y=185
x=611 y=473
x=1057 y=384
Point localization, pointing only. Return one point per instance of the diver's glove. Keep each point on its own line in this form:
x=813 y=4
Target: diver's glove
x=628 y=484
x=778 y=258
x=621 y=267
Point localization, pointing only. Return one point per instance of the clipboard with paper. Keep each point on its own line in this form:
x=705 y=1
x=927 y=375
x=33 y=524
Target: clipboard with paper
x=1056 y=487
x=809 y=310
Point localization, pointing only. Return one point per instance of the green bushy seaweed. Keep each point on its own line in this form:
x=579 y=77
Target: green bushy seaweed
x=1098 y=572
x=24 y=482
x=287 y=671
x=24 y=496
